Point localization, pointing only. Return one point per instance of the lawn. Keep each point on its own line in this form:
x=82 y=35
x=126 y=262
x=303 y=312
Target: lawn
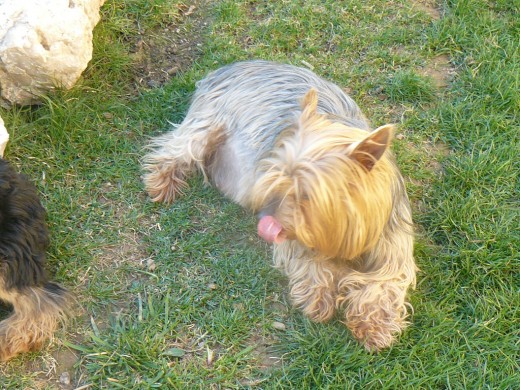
x=184 y=295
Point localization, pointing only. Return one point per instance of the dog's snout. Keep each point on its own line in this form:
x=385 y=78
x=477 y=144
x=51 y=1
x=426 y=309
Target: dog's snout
x=269 y=208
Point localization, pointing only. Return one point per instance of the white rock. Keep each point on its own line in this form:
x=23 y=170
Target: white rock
x=65 y=378
x=43 y=44
x=278 y=325
x=4 y=137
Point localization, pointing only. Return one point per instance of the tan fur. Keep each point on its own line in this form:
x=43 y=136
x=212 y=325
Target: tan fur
x=34 y=320
x=314 y=167
x=339 y=237
x=166 y=175
x=309 y=191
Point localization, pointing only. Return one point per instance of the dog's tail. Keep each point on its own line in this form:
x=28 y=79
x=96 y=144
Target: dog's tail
x=37 y=313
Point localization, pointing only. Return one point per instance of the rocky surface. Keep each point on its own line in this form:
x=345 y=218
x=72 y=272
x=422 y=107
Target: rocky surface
x=43 y=44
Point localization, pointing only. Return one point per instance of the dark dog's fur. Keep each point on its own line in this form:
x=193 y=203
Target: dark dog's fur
x=38 y=304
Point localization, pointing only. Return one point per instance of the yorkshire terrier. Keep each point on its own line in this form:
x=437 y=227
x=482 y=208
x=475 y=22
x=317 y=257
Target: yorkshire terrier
x=38 y=305
x=297 y=150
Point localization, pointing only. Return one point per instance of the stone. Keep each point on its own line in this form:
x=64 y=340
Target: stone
x=65 y=378
x=44 y=44
x=278 y=325
x=4 y=137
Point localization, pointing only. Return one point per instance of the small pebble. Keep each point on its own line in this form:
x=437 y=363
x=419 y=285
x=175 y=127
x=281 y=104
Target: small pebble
x=278 y=325
x=65 y=378
x=150 y=264
x=211 y=356
x=172 y=70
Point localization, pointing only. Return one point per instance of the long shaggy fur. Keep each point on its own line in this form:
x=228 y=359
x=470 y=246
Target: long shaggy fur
x=38 y=304
x=283 y=142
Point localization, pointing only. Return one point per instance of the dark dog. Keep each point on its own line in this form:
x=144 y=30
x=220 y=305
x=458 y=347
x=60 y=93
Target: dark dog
x=38 y=304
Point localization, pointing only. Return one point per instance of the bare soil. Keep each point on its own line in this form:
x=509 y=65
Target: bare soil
x=169 y=49
x=440 y=70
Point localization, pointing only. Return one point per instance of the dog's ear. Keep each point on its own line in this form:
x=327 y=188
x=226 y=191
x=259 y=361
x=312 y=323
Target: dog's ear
x=369 y=150
x=309 y=103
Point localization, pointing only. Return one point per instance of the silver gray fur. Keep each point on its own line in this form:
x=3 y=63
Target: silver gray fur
x=254 y=101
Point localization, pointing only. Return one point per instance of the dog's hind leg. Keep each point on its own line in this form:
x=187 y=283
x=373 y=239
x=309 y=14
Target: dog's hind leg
x=175 y=155
x=37 y=312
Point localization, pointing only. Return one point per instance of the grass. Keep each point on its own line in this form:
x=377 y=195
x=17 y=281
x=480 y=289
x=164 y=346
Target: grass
x=183 y=296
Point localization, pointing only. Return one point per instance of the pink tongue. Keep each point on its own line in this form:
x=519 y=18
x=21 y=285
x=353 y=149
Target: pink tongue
x=270 y=229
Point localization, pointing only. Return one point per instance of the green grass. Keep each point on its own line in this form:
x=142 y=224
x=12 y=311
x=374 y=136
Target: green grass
x=409 y=87
x=183 y=296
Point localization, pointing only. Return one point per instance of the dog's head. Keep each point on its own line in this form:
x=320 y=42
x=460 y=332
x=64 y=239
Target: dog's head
x=326 y=185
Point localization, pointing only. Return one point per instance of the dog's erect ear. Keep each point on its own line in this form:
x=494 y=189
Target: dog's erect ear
x=309 y=103
x=369 y=150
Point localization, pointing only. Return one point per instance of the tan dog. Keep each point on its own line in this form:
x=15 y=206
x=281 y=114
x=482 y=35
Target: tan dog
x=297 y=150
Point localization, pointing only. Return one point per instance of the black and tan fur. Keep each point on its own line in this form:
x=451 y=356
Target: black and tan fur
x=38 y=305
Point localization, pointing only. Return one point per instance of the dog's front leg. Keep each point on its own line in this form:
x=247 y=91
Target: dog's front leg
x=375 y=299
x=375 y=312
x=311 y=281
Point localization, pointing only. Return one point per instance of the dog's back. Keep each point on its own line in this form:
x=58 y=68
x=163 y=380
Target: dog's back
x=259 y=98
x=22 y=225
x=253 y=102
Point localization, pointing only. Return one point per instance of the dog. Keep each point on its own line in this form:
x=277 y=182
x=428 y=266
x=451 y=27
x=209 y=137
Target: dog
x=39 y=305
x=297 y=151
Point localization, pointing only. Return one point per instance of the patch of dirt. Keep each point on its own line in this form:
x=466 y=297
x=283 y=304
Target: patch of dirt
x=436 y=151
x=162 y=53
x=263 y=354
x=262 y=351
x=54 y=369
x=58 y=369
x=440 y=70
x=128 y=251
x=429 y=7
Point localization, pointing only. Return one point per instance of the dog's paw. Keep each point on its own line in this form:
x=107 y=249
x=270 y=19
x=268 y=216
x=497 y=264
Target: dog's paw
x=374 y=326
x=164 y=183
x=374 y=334
x=317 y=303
